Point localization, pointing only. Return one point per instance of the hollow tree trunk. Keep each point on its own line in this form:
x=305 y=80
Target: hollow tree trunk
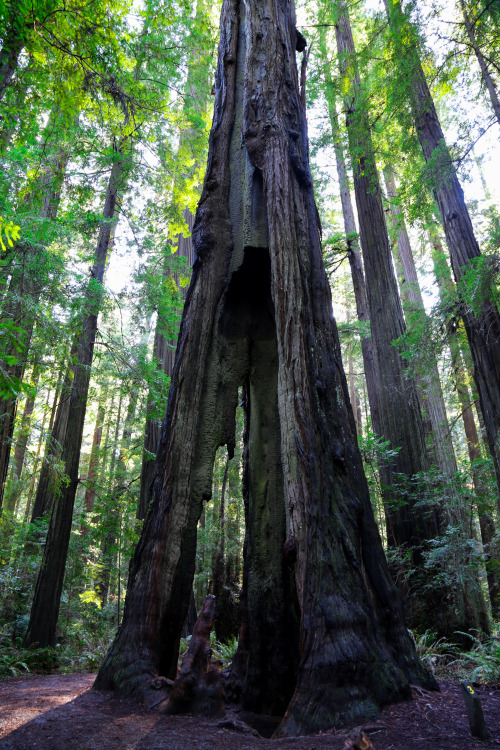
x=45 y=607
x=483 y=325
x=258 y=294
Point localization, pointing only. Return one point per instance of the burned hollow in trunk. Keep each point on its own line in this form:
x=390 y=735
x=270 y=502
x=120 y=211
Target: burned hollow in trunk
x=322 y=627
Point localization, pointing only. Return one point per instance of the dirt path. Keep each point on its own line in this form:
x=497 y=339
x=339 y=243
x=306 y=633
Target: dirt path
x=61 y=712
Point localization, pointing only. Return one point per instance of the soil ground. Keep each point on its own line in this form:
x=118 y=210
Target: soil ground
x=61 y=712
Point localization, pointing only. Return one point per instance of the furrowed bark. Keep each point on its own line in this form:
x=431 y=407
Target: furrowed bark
x=258 y=293
x=430 y=384
x=354 y=254
x=484 y=502
x=163 y=354
x=482 y=324
x=26 y=287
x=93 y=469
x=464 y=607
x=408 y=525
x=45 y=607
x=25 y=426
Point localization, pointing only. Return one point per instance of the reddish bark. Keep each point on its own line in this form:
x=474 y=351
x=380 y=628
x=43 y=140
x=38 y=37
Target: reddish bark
x=198 y=686
x=258 y=313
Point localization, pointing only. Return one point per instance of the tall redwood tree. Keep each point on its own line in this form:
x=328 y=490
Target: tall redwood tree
x=258 y=314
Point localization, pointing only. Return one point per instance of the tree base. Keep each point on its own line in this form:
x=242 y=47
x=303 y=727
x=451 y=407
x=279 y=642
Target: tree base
x=198 y=686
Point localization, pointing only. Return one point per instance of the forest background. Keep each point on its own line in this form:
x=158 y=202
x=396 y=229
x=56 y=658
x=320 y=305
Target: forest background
x=105 y=112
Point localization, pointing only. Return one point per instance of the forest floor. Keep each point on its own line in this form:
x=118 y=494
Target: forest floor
x=61 y=712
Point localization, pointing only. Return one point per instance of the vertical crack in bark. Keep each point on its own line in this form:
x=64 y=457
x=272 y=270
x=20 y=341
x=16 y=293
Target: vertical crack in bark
x=258 y=312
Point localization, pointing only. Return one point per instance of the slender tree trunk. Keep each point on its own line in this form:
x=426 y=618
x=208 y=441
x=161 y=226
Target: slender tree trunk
x=483 y=324
x=485 y=73
x=111 y=514
x=45 y=608
x=35 y=467
x=102 y=472
x=352 y=388
x=25 y=286
x=88 y=501
x=484 y=502
x=16 y=111
x=163 y=355
x=432 y=395
x=50 y=475
x=226 y=623
x=57 y=393
x=352 y=392
x=259 y=296
x=465 y=600
x=10 y=500
x=25 y=426
x=409 y=525
x=354 y=254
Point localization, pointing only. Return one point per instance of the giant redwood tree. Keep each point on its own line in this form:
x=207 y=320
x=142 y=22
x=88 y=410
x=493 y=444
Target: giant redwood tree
x=479 y=313
x=258 y=315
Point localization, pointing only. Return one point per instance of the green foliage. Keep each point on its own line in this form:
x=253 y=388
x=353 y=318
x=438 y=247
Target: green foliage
x=9 y=233
x=479 y=663
x=11 y=664
x=479 y=285
x=222 y=652
x=99 y=82
x=432 y=651
x=483 y=659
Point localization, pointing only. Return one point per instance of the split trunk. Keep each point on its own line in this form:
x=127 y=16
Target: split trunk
x=258 y=314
